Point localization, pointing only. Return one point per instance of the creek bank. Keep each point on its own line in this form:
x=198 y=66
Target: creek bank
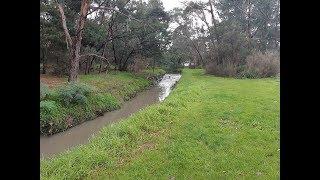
x=112 y=90
x=80 y=134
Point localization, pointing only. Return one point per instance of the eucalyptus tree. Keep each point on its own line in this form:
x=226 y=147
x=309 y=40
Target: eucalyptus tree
x=113 y=31
x=188 y=38
x=259 y=19
x=224 y=32
x=142 y=33
x=52 y=46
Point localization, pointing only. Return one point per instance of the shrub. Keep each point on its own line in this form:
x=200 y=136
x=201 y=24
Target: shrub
x=230 y=53
x=44 y=91
x=50 y=112
x=223 y=69
x=48 y=107
x=259 y=65
x=74 y=93
x=104 y=102
x=151 y=74
x=139 y=64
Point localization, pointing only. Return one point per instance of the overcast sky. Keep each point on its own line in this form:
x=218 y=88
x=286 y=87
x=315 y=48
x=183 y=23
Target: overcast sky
x=170 y=4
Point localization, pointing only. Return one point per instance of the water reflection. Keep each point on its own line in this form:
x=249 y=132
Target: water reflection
x=166 y=84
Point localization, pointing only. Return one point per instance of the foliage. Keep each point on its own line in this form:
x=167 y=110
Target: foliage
x=222 y=41
x=44 y=91
x=68 y=105
x=136 y=29
x=74 y=93
x=173 y=61
x=53 y=49
x=209 y=127
x=49 y=108
x=259 y=65
x=50 y=113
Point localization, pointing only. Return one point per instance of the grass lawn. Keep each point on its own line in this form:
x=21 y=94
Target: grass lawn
x=209 y=127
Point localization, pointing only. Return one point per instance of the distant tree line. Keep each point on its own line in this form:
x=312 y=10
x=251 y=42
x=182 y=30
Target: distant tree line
x=222 y=36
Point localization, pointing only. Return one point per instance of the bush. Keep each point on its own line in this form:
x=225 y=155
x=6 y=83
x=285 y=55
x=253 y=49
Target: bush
x=224 y=69
x=104 y=102
x=259 y=65
x=230 y=54
x=50 y=112
x=72 y=104
x=48 y=108
x=139 y=64
x=74 y=93
x=44 y=91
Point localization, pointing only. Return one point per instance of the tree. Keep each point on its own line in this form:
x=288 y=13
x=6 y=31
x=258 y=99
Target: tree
x=228 y=31
x=74 y=44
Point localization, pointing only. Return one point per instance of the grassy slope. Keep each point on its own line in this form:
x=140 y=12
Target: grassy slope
x=122 y=85
x=112 y=89
x=207 y=127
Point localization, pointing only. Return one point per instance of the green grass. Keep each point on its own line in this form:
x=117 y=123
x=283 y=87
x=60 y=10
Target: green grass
x=208 y=128
x=157 y=71
x=110 y=90
x=122 y=85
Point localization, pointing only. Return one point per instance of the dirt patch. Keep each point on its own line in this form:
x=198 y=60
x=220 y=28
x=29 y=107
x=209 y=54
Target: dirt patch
x=156 y=133
x=52 y=81
x=145 y=146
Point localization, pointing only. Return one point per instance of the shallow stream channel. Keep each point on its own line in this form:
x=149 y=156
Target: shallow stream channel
x=80 y=134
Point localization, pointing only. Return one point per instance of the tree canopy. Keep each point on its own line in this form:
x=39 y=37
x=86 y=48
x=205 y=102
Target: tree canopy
x=81 y=36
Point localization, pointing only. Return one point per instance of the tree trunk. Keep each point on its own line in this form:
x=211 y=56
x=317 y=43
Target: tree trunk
x=113 y=48
x=249 y=23
x=100 y=67
x=154 y=64
x=90 y=65
x=214 y=24
x=219 y=60
x=44 y=68
x=103 y=55
x=74 y=62
x=198 y=52
x=44 y=62
x=64 y=25
x=87 y=65
x=264 y=38
x=75 y=51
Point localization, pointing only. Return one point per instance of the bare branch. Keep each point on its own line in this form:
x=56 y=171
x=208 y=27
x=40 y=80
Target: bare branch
x=96 y=55
x=205 y=19
x=116 y=10
x=94 y=9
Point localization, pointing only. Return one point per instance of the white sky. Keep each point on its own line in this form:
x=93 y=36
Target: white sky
x=170 y=4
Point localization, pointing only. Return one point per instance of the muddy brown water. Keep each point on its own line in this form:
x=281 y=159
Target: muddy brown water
x=80 y=134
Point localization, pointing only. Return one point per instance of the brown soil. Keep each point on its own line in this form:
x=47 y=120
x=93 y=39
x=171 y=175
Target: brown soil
x=52 y=81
